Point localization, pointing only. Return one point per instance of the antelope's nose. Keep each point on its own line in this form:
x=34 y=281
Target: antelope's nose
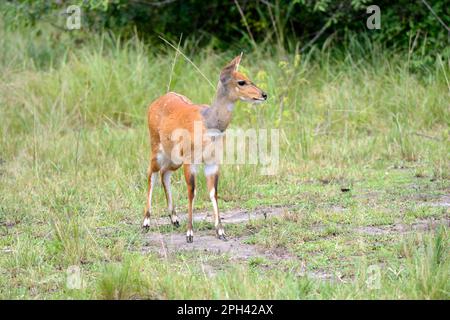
x=264 y=95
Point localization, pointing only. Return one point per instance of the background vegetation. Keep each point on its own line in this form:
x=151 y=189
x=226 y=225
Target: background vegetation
x=364 y=110
x=227 y=22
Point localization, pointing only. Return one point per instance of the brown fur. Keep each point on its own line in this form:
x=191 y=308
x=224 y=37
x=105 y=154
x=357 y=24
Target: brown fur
x=173 y=111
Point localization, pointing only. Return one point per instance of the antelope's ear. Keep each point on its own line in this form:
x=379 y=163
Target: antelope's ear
x=227 y=71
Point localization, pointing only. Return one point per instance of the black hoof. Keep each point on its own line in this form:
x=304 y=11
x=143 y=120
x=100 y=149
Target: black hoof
x=189 y=239
x=145 y=228
x=222 y=237
x=176 y=224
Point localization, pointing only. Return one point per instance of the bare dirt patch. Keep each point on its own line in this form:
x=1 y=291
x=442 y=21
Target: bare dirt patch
x=206 y=242
x=232 y=216
x=419 y=225
x=443 y=201
x=167 y=245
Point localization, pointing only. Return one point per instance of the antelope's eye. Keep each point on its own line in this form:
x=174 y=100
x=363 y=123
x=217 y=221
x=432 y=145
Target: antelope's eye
x=241 y=82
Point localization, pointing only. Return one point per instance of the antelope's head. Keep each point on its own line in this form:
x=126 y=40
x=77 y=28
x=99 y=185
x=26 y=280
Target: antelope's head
x=237 y=86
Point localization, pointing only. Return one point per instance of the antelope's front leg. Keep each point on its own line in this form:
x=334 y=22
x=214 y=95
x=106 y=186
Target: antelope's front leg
x=189 y=174
x=212 y=180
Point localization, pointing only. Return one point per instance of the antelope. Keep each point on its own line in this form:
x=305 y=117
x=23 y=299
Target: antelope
x=173 y=111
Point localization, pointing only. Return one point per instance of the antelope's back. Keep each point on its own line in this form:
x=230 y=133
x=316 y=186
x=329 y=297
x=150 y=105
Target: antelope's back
x=169 y=112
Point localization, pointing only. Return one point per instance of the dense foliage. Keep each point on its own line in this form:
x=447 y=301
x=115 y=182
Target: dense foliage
x=404 y=23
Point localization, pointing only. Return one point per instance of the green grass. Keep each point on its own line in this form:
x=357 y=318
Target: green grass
x=74 y=154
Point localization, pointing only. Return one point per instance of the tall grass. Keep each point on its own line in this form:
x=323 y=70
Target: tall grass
x=363 y=95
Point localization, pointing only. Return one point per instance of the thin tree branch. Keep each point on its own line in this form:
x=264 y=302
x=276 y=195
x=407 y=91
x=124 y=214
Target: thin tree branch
x=245 y=23
x=437 y=17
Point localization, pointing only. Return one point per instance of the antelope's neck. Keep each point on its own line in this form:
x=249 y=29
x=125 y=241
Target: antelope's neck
x=218 y=116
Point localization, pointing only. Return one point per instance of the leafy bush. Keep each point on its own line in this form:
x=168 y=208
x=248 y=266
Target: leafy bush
x=404 y=24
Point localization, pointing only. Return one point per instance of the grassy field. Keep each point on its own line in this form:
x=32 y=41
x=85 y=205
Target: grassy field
x=74 y=152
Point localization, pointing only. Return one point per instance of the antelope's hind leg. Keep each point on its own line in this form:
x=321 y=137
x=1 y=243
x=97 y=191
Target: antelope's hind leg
x=165 y=179
x=152 y=178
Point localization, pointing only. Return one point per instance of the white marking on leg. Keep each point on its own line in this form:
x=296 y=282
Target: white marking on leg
x=146 y=222
x=220 y=231
x=212 y=196
x=193 y=169
x=163 y=161
x=190 y=233
x=174 y=218
x=211 y=169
